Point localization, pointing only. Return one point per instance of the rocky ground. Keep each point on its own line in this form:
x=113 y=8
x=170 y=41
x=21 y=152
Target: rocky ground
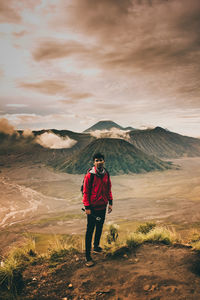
x=151 y=272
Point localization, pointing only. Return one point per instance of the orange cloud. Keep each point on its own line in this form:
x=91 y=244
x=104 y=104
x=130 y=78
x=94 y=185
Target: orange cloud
x=20 y=33
x=56 y=49
x=76 y=96
x=51 y=87
x=6 y=127
x=8 y=12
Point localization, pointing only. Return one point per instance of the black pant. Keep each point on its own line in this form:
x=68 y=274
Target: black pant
x=91 y=224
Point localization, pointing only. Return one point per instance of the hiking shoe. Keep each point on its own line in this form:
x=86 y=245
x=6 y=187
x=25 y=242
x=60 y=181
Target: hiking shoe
x=97 y=249
x=89 y=262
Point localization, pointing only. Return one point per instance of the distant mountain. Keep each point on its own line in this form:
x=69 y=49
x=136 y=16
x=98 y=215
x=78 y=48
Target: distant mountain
x=107 y=125
x=164 y=143
x=16 y=147
x=121 y=158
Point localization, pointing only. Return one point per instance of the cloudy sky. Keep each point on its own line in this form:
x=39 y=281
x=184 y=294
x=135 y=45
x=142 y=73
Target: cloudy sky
x=67 y=64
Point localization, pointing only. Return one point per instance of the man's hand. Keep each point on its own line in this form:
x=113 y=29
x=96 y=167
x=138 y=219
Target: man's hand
x=88 y=211
x=109 y=209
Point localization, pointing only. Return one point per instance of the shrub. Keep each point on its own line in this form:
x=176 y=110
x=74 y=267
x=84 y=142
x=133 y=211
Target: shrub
x=112 y=244
x=112 y=234
x=161 y=235
x=196 y=245
x=156 y=235
x=135 y=239
x=145 y=228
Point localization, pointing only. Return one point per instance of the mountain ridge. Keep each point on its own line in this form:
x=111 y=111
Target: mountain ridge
x=165 y=144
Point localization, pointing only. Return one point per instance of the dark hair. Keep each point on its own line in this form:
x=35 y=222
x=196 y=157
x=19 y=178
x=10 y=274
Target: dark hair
x=98 y=155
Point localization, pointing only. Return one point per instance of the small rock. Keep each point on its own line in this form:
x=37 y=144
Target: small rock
x=70 y=286
x=77 y=259
x=154 y=286
x=136 y=259
x=65 y=298
x=2 y=264
x=44 y=274
x=34 y=279
x=173 y=289
x=86 y=283
x=146 y=287
x=125 y=255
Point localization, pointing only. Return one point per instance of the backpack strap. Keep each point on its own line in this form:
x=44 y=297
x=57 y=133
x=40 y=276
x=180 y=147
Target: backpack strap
x=107 y=173
x=91 y=180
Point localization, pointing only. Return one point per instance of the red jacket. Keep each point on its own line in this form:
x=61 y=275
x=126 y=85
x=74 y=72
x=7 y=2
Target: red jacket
x=100 y=193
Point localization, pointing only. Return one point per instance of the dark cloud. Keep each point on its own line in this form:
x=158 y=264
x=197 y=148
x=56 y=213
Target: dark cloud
x=51 y=87
x=155 y=38
x=99 y=16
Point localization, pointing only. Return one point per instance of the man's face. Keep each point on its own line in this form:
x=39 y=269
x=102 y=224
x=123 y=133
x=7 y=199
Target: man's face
x=98 y=163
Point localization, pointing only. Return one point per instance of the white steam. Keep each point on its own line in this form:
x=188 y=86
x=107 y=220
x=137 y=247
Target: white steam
x=114 y=133
x=53 y=141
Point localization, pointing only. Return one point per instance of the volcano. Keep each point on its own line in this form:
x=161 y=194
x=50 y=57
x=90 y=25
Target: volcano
x=121 y=158
x=107 y=125
x=165 y=144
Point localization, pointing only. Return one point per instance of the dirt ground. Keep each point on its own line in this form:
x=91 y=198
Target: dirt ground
x=152 y=272
x=32 y=195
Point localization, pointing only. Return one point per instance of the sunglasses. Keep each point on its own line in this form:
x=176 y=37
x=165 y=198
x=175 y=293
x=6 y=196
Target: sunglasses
x=99 y=160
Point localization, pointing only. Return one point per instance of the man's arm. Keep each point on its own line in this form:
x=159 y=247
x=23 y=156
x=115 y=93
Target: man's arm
x=110 y=197
x=86 y=193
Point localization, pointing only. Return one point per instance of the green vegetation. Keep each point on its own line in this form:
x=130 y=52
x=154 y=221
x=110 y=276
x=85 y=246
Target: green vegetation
x=146 y=228
x=11 y=280
x=195 y=240
x=155 y=235
x=112 y=234
x=144 y=233
x=60 y=248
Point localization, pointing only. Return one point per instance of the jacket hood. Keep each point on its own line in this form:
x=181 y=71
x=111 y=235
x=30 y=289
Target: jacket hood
x=94 y=171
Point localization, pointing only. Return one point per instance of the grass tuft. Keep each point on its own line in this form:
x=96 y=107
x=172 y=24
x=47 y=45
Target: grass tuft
x=62 y=246
x=196 y=245
x=150 y=233
x=11 y=280
x=135 y=239
x=145 y=228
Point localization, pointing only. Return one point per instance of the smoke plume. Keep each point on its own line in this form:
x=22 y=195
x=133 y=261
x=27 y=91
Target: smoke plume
x=6 y=127
x=51 y=140
x=112 y=133
x=28 y=133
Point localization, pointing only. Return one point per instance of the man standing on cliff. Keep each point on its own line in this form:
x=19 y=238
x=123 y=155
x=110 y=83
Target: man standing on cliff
x=96 y=196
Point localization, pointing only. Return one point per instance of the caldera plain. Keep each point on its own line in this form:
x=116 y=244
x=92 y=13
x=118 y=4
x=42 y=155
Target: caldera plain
x=36 y=199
